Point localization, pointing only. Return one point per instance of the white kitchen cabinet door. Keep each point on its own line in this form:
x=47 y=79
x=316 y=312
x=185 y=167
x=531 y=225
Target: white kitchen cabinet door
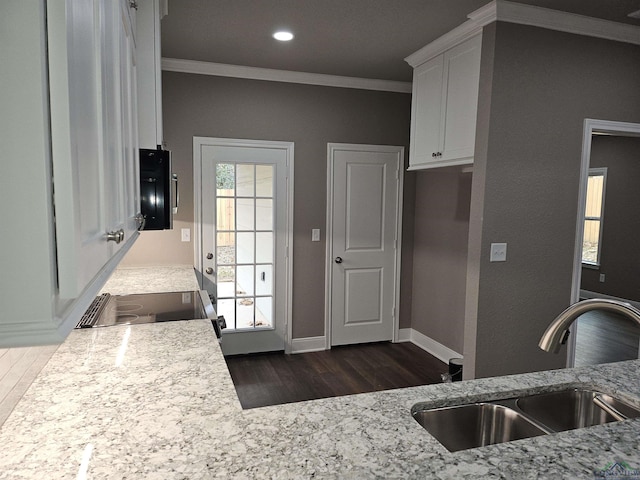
x=462 y=66
x=70 y=133
x=426 y=111
x=149 y=74
x=444 y=107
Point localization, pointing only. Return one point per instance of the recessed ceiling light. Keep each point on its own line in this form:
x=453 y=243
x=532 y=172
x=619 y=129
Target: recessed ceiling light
x=283 y=36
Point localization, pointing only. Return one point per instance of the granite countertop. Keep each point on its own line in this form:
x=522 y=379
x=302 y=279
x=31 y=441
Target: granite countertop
x=156 y=401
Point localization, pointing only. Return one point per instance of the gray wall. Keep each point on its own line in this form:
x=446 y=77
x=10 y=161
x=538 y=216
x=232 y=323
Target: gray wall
x=440 y=255
x=620 y=250
x=537 y=86
x=310 y=116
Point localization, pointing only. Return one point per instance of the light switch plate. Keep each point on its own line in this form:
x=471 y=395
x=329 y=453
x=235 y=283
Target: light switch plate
x=498 y=252
x=315 y=234
x=186 y=234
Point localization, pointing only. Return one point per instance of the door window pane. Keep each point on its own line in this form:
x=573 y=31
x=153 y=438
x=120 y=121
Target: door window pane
x=244 y=311
x=244 y=283
x=264 y=247
x=225 y=242
x=264 y=312
x=245 y=247
x=245 y=214
x=264 y=214
x=225 y=180
x=264 y=280
x=245 y=180
x=227 y=309
x=264 y=181
x=226 y=279
x=224 y=214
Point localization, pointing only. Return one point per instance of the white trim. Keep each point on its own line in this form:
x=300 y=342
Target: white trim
x=404 y=335
x=505 y=11
x=287 y=76
x=329 y=229
x=429 y=345
x=567 y=22
x=308 y=344
x=198 y=142
x=468 y=29
x=587 y=294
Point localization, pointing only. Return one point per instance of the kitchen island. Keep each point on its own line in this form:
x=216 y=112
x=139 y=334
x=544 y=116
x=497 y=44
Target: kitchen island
x=156 y=401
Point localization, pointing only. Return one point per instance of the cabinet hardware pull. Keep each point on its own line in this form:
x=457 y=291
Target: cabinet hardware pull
x=115 y=236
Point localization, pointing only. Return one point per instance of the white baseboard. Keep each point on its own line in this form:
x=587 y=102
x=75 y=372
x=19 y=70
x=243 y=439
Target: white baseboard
x=429 y=345
x=404 y=335
x=308 y=344
x=586 y=294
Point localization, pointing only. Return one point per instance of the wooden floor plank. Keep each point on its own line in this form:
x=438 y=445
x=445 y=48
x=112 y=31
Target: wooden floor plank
x=276 y=378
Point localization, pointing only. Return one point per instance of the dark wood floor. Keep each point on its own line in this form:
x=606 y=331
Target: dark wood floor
x=276 y=378
x=604 y=337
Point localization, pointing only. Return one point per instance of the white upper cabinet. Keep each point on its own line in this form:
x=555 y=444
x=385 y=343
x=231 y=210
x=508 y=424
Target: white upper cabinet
x=71 y=127
x=444 y=107
x=149 y=73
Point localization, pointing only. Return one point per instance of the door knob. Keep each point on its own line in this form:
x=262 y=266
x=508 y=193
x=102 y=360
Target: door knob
x=338 y=260
x=209 y=270
x=209 y=256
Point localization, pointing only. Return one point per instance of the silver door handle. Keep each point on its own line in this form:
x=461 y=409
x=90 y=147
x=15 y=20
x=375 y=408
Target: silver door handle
x=209 y=271
x=338 y=260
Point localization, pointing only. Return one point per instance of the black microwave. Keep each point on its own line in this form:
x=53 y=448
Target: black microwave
x=158 y=189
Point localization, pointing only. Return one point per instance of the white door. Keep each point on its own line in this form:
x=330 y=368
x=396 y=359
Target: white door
x=364 y=219
x=245 y=228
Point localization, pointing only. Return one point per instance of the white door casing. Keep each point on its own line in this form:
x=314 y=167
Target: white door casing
x=364 y=205
x=244 y=156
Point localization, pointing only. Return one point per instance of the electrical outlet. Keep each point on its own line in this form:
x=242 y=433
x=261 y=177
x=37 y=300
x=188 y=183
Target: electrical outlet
x=498 y=252
x=186 y=234
x=315 y=234
x=602 y=278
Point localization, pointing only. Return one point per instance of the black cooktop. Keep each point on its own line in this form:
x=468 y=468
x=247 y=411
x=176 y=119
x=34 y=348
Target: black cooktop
x=107 y=310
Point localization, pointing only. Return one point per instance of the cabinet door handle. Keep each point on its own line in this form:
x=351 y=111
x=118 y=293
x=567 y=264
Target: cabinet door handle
x=115 y=236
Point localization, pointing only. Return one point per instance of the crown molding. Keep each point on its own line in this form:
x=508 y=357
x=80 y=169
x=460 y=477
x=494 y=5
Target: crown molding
x=566 y=22
x=511 y=12
x=287 y=76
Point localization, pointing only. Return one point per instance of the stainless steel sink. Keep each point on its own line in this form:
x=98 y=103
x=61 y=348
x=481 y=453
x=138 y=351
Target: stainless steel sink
x=473 y=425
x=575 y=408
x=476 y=425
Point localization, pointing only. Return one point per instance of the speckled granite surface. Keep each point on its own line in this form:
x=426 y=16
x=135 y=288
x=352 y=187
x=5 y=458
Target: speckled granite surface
x=129 y=280
x=156 y=401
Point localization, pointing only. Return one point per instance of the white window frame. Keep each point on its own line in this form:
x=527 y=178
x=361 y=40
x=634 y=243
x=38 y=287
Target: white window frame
x=599 y=171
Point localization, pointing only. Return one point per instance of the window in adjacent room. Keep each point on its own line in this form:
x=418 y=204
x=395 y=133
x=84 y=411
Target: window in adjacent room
x=593 y=216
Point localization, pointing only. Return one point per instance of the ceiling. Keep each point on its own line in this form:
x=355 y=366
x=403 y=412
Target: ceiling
x=356 y=38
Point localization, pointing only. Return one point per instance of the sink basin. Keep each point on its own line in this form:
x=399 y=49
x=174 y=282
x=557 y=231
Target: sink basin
x=475 y=425
x=573 y=408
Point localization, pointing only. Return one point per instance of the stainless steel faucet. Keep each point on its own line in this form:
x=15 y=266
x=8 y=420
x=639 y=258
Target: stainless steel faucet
x=558 y=331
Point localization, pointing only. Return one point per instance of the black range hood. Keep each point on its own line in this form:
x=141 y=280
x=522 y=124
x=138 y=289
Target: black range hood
x=158 y=189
